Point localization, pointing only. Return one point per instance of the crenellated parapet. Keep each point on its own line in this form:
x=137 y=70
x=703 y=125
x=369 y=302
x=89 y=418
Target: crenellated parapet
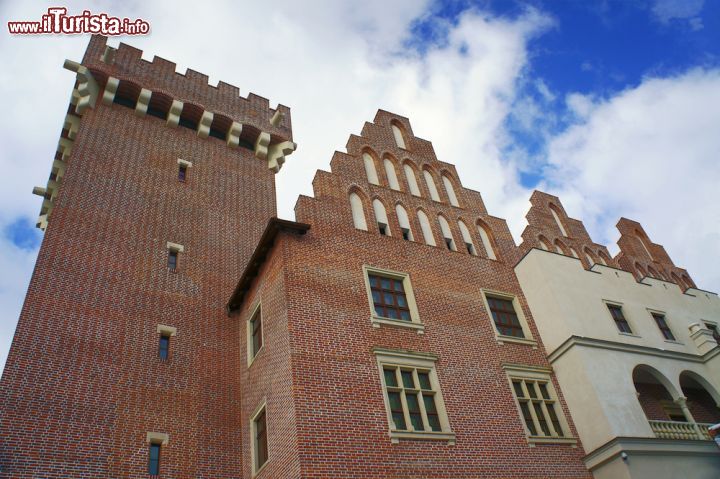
x=109 y=77
x=644 y=258
x=550 y=228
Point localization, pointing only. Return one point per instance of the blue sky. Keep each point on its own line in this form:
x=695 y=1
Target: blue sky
x=612 y=105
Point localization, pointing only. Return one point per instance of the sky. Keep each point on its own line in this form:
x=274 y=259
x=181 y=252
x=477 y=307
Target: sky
x=613 y=105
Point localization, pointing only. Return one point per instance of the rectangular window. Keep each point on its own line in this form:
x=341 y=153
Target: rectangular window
x=538 y=407
x=389 y=297
x=714 y=330
x=164 y=347
x=412 y=395
x=664 y=328
x=256 y=338
x=182 y=173
x=260 y=442
x=505 y=317
x=154 y=459
x=405 y=234
x=619 y=318
x=172 y=260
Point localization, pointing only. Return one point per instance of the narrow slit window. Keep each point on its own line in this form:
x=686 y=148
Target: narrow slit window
x=172 y=260
x=663 y=326
x=182 y=173
x=260 y=440
x=617 y=314
x=256 y=338
x=164 y=347
x=714 y=330
x=154 y=459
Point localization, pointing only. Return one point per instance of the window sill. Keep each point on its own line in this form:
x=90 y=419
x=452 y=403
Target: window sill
x=629 y=334
x=533 y=440
x=501 y=339
x=378 y=321
x=252 y=359
x=396 y=436
x=672 y=341
x=262 y=468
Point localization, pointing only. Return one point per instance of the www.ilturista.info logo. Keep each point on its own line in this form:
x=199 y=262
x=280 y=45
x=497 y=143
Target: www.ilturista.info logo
x=58 y=21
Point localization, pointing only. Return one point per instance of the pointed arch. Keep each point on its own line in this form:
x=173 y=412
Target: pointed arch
x=426 y=229
x=358 y=211
x=430 y=182
x=467 y=239
x=449 y=189
x=640 y=270
x=544 y=243
x=404 y=223
x=604 y=259
x=573 y=252
x=391 y=173
x=411 y=178
x=486 y=239
x=381 y=217
x=589 y=256
x=652 y=272
x=370 y=169
x=398 y=134
x=686 y=280
x=642 y=239
x=446 y=233
x=560 y=247
x=556 y=213
x=676 y=279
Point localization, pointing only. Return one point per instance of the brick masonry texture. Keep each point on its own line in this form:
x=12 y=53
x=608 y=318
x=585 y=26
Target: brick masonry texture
x=330 y=420
x=83 y=383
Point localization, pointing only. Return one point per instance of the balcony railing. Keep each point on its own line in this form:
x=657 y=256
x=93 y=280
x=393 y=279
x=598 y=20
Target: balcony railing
x=681 y=430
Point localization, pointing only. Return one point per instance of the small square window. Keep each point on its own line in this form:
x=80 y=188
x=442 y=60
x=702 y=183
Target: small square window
x=391 y=298
x=255 y=334
x=620 y=322
x=663 y=326
x=414 y=403
x=258 y=432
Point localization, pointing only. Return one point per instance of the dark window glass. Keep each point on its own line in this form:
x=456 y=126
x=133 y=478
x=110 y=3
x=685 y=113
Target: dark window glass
x=214 y=132
x=414 y=411
x=505 y=318
x=256 y=328
x=406 y=234
x=389 y=298
x=554 y=419
x=664 y=328
x=544 y=391
x=123 y=101
x=619 y=318
x=518 y=389
x=261 y=448
x=164 y=348
x=187 y=123
x=396 y=410
x=154 y=460
x=424 y=379
x=172 y=260
x=528 y=418
x=383 y=229
x=431 y=412
x=714 y=329
x=449 y=244
x=470 y=248
x=407 y=379
x=390 y=379
x=156 y=113
x=541 y=418
x=182 y=172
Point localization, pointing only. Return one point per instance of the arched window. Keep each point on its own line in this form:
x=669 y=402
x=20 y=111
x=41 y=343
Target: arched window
x=411 y=180
x=574 y=253
x=544 y=243
x=485 y=239
x=589 y=256
x=397 y=133
x=652 y=272
x=604 y=259
x=555 y=212
x=425 y=227
x=431 y=185
x=391 y=174
x=447 y=234
x=370 y=169
x=467 y=239
x=450 y=190
x=558 y=247
x=381 y=218
x=358 y=213
x=404 y=223
x=687 y=281
x=640 y=270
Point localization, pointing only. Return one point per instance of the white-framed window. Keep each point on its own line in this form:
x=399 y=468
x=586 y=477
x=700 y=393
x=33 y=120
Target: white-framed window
x=411 y=392
x=450 y=190
x=508 y=319
x=358 y=212
x=391 y=299
x=398 y=134
x=411 y=180
x=370 y=170
x=254 y=334
x=538 y=405
x=259 y=450
x=391 y=174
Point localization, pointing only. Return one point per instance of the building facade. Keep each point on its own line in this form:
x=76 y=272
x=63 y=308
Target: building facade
x=174 y=327
x=633 y=343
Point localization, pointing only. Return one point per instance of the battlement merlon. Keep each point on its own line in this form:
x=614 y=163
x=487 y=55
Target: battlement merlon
x=125 y=64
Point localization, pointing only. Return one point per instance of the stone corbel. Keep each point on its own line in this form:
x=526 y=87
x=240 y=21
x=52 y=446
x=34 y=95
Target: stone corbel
x=108 y=55
x=173 y=118
x=702 y=337
x=65 y=148
x=277 y=154
x=41 y=222
x=261 y=145
x=233 y=135
x=110 y=89
x=204 y=124
x=87 y=86
x=142 y=102
x=72 y=124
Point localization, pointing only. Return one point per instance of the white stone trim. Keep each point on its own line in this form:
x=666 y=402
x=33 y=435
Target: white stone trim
x=157 y=438
x=260 y=408
x=377 y=320
x=166 y=330
x=529 y=339
x=185 y=163
x=178 y=248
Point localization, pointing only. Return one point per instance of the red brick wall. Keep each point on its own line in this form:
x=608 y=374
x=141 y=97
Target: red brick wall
x=83 y=383
x=702 y=406
x=650 y=397
x=342 y=428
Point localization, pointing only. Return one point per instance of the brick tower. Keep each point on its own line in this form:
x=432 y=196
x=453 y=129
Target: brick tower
x=159 y=191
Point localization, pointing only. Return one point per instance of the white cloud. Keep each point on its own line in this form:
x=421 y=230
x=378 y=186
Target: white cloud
x=667 y=10
x=649 y=153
